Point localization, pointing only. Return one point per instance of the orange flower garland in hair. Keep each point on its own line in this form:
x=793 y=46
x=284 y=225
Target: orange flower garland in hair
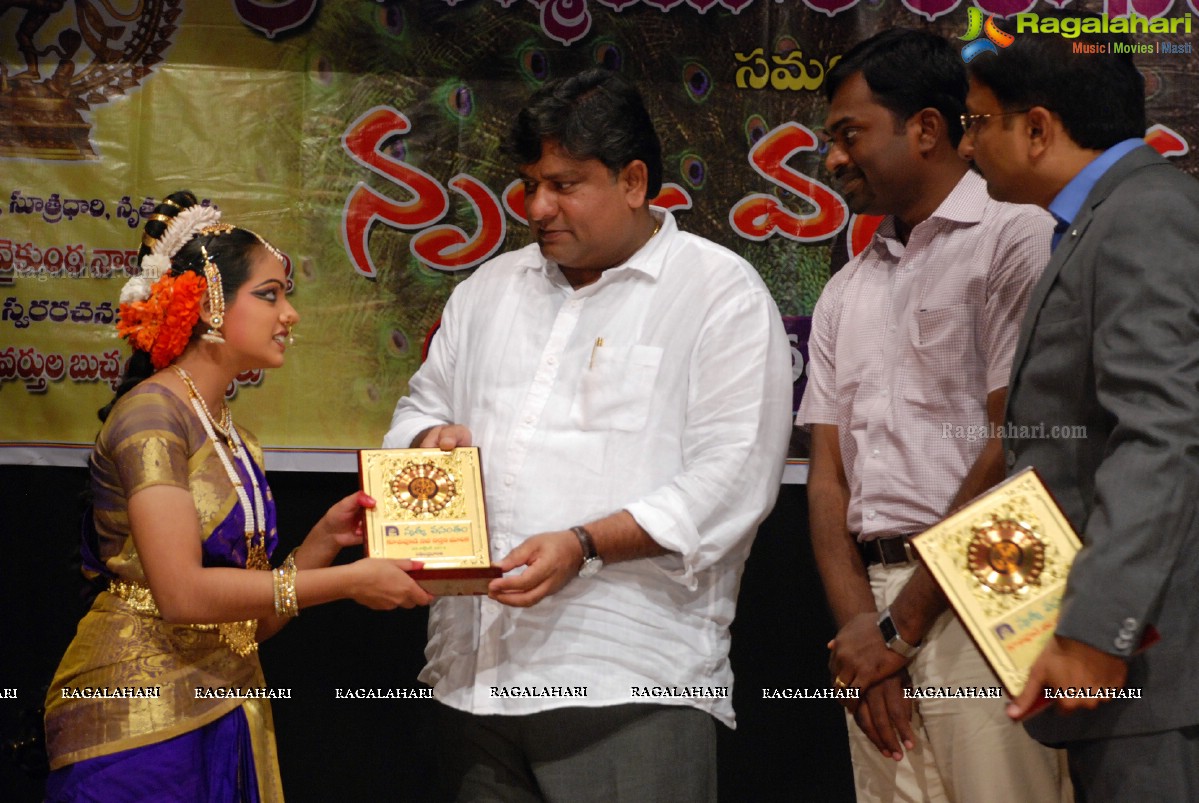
x=162 y=324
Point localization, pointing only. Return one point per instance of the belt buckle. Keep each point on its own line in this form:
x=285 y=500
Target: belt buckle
x=909 y=555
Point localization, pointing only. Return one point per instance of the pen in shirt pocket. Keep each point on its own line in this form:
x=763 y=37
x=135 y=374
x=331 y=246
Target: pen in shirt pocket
x=599 y=342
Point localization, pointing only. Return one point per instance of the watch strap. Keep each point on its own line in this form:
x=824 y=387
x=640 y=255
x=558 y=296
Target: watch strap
x=592 y=562
x=894 y=641
x=586 y=542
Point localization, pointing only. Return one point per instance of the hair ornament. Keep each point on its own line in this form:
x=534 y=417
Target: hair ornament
x=162 y=323
x=156 y=264
x=275 y=252
x=136 y=289
x=216 y=297
x=183 y=227
x=154 y=267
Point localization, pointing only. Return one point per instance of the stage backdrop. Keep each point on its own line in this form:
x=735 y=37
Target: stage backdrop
x=362 y=139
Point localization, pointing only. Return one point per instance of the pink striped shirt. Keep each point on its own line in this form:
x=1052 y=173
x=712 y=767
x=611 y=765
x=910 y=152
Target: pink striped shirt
x=906 y=344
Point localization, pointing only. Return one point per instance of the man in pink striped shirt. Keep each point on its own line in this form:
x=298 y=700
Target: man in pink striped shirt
x=909 y=356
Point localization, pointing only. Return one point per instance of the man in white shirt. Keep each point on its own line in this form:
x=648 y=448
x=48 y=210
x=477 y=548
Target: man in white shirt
x=907 y=375
x=628 y=386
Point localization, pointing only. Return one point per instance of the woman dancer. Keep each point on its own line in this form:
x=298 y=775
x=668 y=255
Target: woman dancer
x=183 y=526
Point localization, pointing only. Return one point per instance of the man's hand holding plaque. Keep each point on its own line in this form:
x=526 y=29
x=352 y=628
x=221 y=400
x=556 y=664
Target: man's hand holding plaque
x=430 y=508
x=1002 y=560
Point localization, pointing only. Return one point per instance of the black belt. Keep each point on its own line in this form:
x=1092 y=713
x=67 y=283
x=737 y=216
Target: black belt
x=895 y=550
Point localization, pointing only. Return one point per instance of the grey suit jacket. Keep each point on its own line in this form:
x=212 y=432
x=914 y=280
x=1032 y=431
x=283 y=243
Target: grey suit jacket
x=1110 y=342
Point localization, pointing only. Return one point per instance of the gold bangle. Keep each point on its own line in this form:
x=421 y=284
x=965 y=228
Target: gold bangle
x=287 y=605
x=291 y=603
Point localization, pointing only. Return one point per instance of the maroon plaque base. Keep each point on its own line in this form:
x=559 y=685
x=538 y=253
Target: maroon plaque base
x=455 y=582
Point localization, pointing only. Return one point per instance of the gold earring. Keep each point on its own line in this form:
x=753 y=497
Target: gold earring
x=216 y=301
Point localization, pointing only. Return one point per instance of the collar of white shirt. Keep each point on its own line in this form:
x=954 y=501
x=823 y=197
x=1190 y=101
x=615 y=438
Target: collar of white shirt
x=648 y=260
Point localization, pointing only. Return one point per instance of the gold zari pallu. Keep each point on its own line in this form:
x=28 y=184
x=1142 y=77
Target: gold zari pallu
x=238 y=636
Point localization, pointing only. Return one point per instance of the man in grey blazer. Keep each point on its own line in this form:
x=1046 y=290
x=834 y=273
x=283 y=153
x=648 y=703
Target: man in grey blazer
x=1110 y=343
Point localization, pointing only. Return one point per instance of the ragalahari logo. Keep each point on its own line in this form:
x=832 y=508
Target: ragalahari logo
x=975 y=27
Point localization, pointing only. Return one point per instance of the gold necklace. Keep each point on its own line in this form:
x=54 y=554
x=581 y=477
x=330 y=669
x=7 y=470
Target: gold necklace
x=238 y=635
x=226 y=423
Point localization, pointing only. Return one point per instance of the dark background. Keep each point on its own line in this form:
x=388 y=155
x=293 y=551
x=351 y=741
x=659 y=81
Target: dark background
x=355 y=750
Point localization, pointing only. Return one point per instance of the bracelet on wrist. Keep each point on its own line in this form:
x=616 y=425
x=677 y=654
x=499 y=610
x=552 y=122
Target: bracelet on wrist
x=287 y=605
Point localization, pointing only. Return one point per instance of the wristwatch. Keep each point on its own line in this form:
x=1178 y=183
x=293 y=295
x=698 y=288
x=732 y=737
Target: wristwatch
x=891 y=636
x=592 y=562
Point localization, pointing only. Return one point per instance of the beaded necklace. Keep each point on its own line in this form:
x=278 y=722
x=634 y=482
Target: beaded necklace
x=238 y=635
x=254 y=514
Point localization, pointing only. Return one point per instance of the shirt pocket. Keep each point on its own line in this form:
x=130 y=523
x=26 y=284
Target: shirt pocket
x=946 y=336
x=946 y=364
x=616 y=388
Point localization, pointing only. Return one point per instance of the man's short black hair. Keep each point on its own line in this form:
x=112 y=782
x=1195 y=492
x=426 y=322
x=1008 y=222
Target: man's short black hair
x=908 y=70
x=597 y=114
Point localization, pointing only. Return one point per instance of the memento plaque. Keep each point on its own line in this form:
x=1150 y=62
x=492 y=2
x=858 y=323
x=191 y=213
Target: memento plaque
x=1002 y=560
x=430 y=508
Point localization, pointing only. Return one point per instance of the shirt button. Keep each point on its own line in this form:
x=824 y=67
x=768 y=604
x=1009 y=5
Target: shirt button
x=551 y=360
x=870 y=514
x=874 y=452
x=509 y=479
x=1011 y=458
x=529 y=419
x=884 y=393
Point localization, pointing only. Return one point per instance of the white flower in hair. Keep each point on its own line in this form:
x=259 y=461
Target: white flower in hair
x=155 y=266
x=182 y=227
x=136 y=289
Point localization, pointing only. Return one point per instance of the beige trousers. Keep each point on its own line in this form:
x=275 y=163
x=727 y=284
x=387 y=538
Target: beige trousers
x=967 y=750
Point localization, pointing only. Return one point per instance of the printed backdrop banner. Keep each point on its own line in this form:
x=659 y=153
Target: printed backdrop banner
x=362 y=138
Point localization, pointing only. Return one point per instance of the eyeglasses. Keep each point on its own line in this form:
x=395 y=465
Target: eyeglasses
x=971 y=120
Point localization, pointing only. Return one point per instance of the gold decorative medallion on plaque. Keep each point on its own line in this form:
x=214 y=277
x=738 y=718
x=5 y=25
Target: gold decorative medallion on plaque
x=430 y=508
x=1002 y=561
x=1006 y=556
x=423 y=488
